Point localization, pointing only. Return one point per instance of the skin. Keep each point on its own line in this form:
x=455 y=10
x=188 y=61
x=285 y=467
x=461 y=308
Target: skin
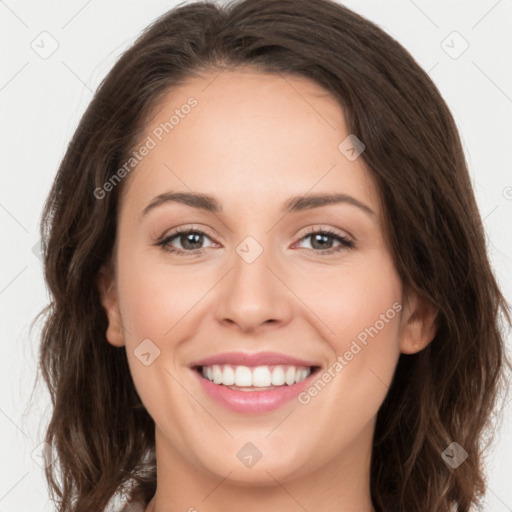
x=253 y=141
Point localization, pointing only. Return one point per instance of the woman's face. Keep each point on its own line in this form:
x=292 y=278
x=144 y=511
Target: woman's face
x=303 y=285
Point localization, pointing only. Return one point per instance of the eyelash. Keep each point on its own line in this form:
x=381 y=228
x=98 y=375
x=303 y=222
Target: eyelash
x=164 y=243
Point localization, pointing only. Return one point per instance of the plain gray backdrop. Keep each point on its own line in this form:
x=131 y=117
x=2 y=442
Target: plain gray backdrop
x=54 y=55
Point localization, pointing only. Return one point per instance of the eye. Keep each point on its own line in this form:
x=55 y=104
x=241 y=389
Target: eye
x=321 y=241
x=191 y=241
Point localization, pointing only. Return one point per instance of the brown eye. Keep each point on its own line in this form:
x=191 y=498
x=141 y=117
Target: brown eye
x=189 y=241
x=322 y=241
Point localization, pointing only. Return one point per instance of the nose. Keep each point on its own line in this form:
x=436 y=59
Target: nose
x=254 y=294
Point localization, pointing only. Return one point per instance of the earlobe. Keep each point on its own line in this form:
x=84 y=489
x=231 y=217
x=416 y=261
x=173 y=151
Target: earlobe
x=109 y=300
x=418 y=325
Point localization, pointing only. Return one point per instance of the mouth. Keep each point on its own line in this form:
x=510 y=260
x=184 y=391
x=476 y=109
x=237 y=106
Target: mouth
x=255 y=378
x=253 y=389
x=253 y=383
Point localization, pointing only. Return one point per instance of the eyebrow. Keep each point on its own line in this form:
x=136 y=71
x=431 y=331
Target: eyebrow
x=293 y=204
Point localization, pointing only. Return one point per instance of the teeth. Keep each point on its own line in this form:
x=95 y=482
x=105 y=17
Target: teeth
x=290 y=376
x=216 y=373
x=243 y=376
x=259 y=376
x=299 y=375
x=278 y=376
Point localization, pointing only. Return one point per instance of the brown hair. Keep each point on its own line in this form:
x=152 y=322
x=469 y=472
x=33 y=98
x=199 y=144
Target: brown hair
x=100 y=432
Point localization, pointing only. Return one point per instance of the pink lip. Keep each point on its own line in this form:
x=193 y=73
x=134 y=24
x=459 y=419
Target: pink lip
x=252 y=401
x=255 y=359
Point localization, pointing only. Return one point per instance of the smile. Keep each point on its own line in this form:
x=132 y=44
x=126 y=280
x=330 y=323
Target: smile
x=253 y=383
x=256 y=378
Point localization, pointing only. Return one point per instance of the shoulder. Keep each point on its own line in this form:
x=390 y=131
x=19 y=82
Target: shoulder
x=132 y=507
x=127 y=507
x=120 y=501
x=118 y=504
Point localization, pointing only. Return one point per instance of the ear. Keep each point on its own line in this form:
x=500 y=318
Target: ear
x=108 y=295
x=418 y=324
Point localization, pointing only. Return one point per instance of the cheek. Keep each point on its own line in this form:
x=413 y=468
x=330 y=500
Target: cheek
x=155 y=318
x=358 y=311
x=347 y=302
x=154 y=296
x=158 y=303
x=369 y=311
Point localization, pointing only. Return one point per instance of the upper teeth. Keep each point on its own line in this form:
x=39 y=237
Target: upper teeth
x=258 y=376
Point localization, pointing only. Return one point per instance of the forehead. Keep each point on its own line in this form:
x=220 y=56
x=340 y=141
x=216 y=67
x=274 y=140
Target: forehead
x=247 y=134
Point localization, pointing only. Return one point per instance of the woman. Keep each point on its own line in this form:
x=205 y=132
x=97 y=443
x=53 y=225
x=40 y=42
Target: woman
x=269 y=277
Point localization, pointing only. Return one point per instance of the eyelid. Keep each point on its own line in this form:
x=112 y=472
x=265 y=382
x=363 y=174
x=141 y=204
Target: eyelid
x=325 y=228
x=346 y=242
x=190 y=227
x=197 y=227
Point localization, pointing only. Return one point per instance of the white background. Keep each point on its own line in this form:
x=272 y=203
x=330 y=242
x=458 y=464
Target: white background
x=41 y=101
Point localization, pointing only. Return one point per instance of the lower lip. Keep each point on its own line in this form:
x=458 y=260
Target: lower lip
x=252 y=401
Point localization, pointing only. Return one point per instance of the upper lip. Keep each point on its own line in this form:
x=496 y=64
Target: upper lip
x=253 y=359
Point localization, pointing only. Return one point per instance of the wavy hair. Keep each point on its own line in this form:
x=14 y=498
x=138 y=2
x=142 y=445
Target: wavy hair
x=100 y=434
